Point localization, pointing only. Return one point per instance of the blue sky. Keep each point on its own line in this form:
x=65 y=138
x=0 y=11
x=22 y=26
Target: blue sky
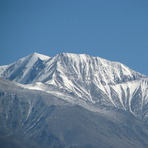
x=116 y=30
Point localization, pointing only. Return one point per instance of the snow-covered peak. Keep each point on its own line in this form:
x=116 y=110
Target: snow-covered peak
x=34 y=57
x=40 y=56
x=97 y=62
x=94 y=67
x=25 y=69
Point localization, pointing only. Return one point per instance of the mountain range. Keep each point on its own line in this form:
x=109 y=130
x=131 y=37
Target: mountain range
x=72 y=101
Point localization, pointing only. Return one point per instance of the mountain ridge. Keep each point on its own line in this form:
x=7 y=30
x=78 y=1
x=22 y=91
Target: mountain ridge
x=65 y=58
x=72 y=101
x=92 y=79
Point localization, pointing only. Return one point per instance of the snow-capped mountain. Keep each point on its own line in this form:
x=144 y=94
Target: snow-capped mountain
x=89 y=78
x=72 y=101
x=81 y=67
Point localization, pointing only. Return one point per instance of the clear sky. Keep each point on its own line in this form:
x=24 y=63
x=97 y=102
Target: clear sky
x=116 y=30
